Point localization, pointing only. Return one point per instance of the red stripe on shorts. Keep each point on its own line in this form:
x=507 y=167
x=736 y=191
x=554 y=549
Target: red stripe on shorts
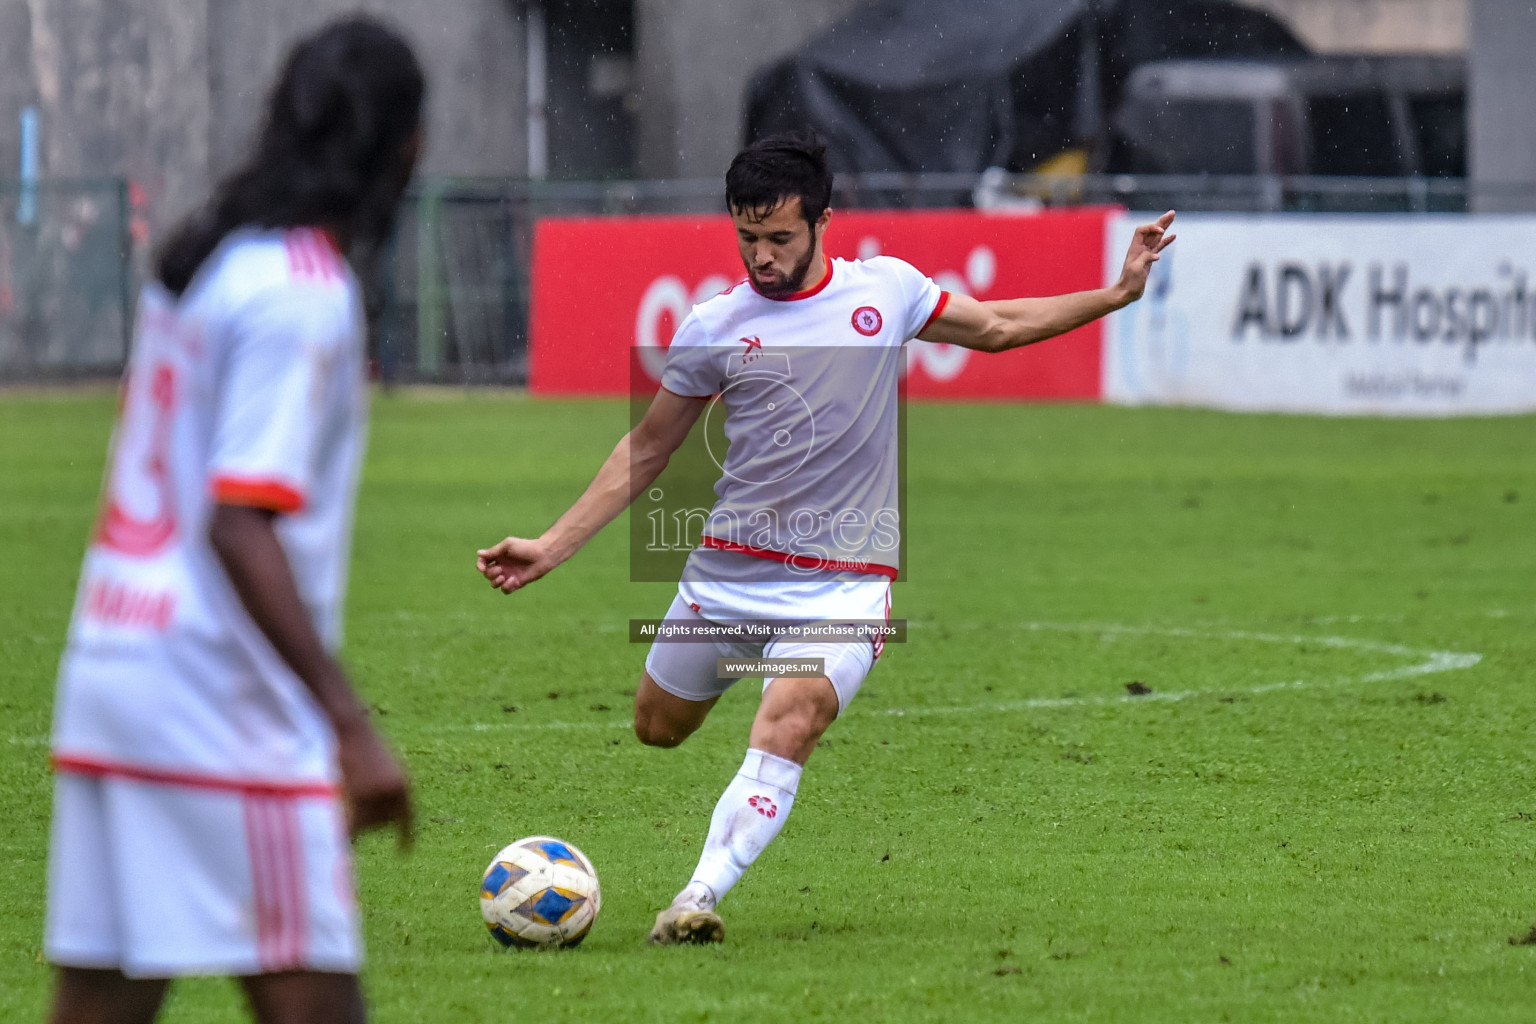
x=258 y=849
x=293 y=863
x=274 y=840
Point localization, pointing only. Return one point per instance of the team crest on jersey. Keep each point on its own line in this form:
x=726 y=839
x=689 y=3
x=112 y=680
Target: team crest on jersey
x=867 y=321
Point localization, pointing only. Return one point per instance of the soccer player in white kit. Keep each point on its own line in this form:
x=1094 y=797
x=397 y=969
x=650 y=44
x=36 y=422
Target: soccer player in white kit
x=805 y=362
x=211 y=754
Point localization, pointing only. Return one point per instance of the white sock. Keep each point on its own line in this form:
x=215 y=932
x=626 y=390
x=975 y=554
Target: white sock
x=750 y=813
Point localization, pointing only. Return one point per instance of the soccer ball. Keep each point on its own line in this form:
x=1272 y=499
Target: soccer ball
x=540 y=891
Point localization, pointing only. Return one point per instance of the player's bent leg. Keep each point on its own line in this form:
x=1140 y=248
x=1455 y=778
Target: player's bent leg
x=664 y=719
x=746 y=819
x=680 y=683
x=752 y=810
x=793 y=716
x=90 y=996
x=796 y=711
x=304 y=997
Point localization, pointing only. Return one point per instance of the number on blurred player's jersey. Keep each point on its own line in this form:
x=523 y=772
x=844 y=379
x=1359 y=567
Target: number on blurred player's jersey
x=138 y=516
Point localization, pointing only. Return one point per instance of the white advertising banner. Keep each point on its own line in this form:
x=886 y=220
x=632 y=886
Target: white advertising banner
x=1398 y=315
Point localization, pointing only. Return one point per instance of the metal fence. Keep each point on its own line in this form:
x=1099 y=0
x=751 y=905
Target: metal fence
x=1211 y=193
x=452 y=297
x=66 y=279
x=457 y=299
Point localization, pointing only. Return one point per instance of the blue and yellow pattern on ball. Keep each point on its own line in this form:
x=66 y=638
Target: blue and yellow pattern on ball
x=539 y=892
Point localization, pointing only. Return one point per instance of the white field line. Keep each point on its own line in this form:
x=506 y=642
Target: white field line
x=1430 y=662
x=1433 y=661
x=1487 y=613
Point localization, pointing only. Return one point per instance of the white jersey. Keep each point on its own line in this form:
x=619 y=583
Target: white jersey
x=807 y=521
x=248 y=390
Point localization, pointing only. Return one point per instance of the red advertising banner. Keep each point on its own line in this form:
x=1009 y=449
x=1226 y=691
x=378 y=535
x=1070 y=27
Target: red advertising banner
x=604 y=285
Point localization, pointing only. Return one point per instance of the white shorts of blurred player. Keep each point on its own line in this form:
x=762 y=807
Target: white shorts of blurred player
x=689 y=669
x=169 y=880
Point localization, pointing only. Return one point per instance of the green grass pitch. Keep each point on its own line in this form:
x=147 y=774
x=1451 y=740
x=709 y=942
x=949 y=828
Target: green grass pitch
x=1323 y=811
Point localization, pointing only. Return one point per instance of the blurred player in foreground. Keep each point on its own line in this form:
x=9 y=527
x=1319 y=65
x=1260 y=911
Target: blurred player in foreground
x=212 y=755
x=816 y=458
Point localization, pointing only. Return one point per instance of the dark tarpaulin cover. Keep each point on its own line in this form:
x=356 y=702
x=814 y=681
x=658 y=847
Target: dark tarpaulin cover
x=962 y=85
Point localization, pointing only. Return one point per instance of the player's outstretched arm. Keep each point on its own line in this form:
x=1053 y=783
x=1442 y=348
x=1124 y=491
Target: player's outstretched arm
x=999 y=325
x=375 y=786
x=636 y=461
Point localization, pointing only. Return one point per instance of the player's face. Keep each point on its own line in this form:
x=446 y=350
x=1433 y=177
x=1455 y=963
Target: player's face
x=779 y=248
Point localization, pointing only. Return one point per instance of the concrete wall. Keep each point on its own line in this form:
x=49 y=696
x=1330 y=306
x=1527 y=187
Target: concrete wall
x=168 y=92
x=694 y=58
x=111 y=82
x=472 y=51
x=1502 y=97
x=1356 y=26
x=16 y=87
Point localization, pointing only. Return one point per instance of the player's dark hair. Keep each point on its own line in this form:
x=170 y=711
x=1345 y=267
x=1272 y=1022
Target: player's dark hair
x=778 y=168
x=331 y=152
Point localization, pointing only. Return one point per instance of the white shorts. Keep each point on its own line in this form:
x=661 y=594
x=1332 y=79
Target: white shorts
x=688 y=670
x=164 y=880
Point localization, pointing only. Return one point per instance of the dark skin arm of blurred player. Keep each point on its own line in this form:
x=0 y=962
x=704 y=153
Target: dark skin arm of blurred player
x=1002 y=324
x=636 y=461
x=374 y=785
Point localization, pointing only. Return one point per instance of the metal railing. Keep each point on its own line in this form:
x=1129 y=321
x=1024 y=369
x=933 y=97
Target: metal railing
x=66 y=279
x=458 y=293
x=1250 y=193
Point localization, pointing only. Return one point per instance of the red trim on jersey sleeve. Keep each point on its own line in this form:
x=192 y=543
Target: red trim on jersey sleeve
x=938 y=311
x=799 y=561
x=807 y=293
x=71 y=764
x=268 y=494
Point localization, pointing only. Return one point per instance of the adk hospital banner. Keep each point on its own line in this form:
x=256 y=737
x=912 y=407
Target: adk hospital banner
x=1410 y=315
x=1398 y=315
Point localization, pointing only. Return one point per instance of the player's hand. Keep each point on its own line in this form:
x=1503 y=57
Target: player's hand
x=373 y=783
x=1146 y=244
x=515 y=563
